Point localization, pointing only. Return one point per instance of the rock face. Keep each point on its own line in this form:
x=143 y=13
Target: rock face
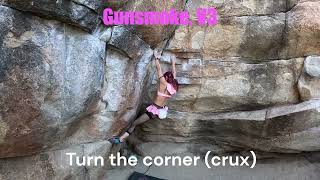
x=303 y=28
x=270 y=36
x=67 y=83
x=213 y=86
x=62 y=89
x=240 y=81
x=248 y=37
x=154 y=35
x=43 y=80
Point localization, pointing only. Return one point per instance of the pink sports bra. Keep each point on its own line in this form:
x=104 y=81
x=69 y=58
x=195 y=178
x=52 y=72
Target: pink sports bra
x=170 y=89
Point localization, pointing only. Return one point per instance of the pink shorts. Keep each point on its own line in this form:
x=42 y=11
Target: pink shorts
x=153 y=110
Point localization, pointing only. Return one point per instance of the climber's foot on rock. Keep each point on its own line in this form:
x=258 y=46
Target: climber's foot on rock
x=115 y=140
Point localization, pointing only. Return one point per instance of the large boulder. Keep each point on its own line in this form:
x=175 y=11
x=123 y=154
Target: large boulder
x=309 y=80
x=244 y=82
x=303 y=29
x=153 y=35
x=312 y=66
x=51 y=76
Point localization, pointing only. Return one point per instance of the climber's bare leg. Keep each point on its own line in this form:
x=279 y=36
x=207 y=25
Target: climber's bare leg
x=142 y=119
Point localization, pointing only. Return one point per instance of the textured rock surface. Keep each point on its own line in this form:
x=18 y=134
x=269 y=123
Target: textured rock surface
x=281 y=33
x=254 y=37
x=249 y=37
x=55 y=164
x=61 y=90
x=233 y=83
x=126 y=74
x=303 y=29
x=211 y=86
x=153 y=35
x=245 y=7
x=82 y=13
x=309 y=81
x=120 y=37
x=46 y=85
x=312 y=66
x=292 y=128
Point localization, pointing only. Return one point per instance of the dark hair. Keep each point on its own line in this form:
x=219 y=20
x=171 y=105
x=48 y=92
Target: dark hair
x=170 y=79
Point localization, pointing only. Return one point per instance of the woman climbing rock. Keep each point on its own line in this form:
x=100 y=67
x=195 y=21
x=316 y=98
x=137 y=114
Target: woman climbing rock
x=167 y=86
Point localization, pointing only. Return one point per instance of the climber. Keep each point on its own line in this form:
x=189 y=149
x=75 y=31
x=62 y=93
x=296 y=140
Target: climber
x=167 y=86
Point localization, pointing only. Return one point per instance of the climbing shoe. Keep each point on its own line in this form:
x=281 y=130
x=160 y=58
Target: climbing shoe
x=114 y=140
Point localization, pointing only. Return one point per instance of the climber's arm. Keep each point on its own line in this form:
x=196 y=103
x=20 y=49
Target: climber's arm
x=159 y=71
x=158 y=66
x=173 y=61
